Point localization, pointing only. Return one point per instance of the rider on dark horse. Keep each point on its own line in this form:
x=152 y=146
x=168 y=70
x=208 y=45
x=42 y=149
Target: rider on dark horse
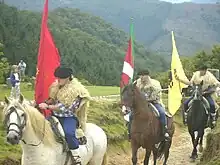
x=151 y=88
x=209 y=85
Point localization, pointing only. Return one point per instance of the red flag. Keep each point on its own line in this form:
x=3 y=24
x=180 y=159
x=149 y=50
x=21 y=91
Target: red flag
x=48 y=61
x=128 y=67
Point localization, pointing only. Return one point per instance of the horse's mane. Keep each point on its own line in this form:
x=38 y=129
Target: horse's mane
x=140 y=99
x=40 y=125
x=37 y=121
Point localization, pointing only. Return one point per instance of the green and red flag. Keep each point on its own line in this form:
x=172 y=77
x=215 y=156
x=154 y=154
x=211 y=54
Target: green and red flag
x=128 y=67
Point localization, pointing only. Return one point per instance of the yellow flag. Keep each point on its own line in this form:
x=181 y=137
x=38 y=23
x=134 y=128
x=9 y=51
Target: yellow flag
x=175 y=87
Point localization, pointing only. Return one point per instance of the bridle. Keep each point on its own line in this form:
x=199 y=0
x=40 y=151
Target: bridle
x=196 y=94
x=20 y=125
x=125 y=105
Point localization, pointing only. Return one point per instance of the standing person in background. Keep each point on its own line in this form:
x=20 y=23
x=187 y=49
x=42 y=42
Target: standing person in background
x=22 y=68
x=15 y=82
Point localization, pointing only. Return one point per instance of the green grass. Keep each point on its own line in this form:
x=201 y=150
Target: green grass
x=103 y=90
x=6 y=149
x=211 y=155
x=28 y=92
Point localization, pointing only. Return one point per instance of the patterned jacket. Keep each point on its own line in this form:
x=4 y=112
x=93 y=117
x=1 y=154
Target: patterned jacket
x=69 y=97
x=152 y=90
x=208 y=80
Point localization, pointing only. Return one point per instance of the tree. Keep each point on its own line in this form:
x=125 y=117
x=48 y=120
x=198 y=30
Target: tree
x=4 y=65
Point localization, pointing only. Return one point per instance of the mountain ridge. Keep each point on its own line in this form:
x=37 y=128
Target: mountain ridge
x=196 y=26
x=94 y=50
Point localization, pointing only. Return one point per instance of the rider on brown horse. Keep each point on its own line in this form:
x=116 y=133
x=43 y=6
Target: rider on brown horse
x=151 y=88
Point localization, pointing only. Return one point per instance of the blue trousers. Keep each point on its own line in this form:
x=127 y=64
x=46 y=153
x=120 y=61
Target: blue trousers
x=69 y=125
x=161 y=110
x=208 y=98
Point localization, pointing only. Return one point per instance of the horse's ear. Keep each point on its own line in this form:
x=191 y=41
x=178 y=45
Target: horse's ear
x=201 y=83
x=7 y=100
x=135 y=83
x=21 y=98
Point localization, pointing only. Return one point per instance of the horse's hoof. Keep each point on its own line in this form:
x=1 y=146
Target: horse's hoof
x=192 y=160
x=193 y=157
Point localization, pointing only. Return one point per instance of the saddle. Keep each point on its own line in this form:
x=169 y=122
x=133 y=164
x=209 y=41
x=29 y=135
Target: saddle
x=156 y=112
x=60 y=135
x=205 y=104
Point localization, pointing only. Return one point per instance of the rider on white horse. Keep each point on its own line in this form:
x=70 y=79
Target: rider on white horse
x=67 y=101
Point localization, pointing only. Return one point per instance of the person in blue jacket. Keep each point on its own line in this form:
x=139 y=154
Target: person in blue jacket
x=15 y=82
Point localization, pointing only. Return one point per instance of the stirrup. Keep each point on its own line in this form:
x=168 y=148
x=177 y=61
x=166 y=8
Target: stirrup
x=167 y=136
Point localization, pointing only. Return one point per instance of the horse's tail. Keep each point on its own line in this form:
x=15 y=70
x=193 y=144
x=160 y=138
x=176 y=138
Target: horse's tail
x=105 y=159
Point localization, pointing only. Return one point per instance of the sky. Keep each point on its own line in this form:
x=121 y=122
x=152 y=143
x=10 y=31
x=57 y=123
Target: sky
x=195 y=1
x=177 y=1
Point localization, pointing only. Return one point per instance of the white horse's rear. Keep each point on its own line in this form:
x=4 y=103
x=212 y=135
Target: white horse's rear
x=99 y=143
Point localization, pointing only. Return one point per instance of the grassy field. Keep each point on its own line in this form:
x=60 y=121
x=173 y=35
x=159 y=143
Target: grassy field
x=211 y=155
x=28 y=92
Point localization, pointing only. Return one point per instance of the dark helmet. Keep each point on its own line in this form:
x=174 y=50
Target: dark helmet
x=202 y=67
x=144 y=73
x=63 y=72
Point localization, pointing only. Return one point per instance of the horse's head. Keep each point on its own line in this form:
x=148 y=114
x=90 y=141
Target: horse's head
x=197 y=91
x=14 y=119
x=127 y=96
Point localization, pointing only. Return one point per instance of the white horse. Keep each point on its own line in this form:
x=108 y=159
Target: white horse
x=27 y=126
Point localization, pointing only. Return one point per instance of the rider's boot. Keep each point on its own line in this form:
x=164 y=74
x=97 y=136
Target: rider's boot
x=165 y=132
x=76 y=157
x=213 y=115
x=185 y=118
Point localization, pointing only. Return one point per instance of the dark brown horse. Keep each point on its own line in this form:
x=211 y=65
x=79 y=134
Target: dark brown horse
x=146 y=129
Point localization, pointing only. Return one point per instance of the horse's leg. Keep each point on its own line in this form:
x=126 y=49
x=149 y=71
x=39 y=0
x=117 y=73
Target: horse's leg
x=201 y=142
x=134 y=147
x=193 y=141
x=167 y=152
x=147 y=156
x=194 y=153
x=155 y=155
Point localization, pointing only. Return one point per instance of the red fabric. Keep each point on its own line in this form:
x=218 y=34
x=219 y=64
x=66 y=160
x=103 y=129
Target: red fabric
x=48 y=61
x=125 y=79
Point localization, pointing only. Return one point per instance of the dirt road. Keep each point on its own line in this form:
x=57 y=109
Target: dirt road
x=179 y=153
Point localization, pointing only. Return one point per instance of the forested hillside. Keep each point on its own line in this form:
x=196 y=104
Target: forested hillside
x=196 y=26
x=190 y=64
x=92 y=47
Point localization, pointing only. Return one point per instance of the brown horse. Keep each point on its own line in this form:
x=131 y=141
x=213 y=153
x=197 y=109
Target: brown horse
x=146 y=129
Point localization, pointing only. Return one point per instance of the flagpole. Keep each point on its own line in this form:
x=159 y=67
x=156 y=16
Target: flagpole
x=132 y=39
